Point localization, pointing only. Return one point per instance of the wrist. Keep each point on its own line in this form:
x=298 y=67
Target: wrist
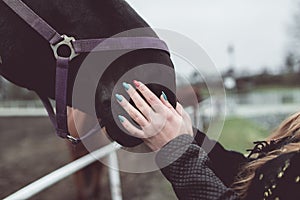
x=158 y=142
x=171 y=151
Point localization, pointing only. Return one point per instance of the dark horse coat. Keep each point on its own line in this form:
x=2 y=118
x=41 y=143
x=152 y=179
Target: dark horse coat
x=28 y=61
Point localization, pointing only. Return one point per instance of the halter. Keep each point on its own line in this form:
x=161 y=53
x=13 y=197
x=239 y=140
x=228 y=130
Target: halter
x=76 y=47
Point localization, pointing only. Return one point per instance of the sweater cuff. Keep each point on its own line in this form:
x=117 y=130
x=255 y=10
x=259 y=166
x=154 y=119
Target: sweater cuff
x=173 y=150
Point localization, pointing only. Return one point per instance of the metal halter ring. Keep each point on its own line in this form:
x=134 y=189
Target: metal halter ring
x=67 y=41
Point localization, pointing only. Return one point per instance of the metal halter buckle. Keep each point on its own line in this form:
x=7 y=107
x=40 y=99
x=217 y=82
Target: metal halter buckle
x=73 y=139
x=67 y=41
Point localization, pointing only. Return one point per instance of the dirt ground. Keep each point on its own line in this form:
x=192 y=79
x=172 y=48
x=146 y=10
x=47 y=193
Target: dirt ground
x=30 y=150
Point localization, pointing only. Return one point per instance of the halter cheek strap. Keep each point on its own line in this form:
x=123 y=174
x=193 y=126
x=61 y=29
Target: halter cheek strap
x=56 y=40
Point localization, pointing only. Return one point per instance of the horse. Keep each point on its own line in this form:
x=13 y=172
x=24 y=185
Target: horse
x=27 y=59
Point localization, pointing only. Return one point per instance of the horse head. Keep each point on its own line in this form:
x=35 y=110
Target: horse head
x=28 y=61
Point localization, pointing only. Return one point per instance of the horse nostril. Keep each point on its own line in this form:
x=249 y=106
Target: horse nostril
x=64 y=51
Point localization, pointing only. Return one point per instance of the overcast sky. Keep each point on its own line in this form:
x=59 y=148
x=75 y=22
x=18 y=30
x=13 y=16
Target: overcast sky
x=258 y=29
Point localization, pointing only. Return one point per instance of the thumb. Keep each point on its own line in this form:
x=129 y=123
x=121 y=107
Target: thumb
x=179 y=108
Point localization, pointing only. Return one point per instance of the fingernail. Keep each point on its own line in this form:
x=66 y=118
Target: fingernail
x=121 y=118
x=126 y=86
x=136 y=83
x=119 y=97
x=164 y=96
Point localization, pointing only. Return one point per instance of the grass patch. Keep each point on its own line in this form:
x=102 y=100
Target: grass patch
x=239 y=134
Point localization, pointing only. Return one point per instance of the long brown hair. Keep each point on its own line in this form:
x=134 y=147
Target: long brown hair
x=289 y=127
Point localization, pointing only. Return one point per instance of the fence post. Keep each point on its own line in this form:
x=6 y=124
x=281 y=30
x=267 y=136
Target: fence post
x=114 y=176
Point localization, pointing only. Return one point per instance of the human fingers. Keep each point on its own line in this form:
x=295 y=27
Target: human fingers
x=132 y=130
x=151 y=98
x=133 y=113
x=144 y=108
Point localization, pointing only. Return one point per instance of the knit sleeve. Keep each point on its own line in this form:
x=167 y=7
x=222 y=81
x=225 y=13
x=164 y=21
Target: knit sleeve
x=185 y=165
x=223 y=162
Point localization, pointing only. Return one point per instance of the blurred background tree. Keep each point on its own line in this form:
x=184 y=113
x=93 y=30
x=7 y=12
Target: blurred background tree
x=293 y=56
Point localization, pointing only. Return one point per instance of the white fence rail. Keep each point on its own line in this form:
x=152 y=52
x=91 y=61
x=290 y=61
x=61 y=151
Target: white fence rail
x=59 y=174
x=22 y=112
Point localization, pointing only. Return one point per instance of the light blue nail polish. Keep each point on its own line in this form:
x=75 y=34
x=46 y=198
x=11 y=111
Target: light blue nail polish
x=126 y=86
x=121 y=118
x=119 y=97
x=164 y=96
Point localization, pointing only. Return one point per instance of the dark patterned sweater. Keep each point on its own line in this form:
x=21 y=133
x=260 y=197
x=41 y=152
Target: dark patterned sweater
x=196 y=174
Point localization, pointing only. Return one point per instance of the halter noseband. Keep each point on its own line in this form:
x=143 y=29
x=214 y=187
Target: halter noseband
x=76 y=47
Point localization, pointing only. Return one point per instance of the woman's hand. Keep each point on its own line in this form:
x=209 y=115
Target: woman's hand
x=159 y=121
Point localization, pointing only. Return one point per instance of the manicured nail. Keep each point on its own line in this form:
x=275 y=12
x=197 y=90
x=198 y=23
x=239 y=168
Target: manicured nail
x=121 y=118
x=164 y=96
x=137 y=83
x=119 y=97
x=126 y=86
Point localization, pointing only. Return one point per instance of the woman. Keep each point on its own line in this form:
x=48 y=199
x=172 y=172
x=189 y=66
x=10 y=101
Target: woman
x=270 y=172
